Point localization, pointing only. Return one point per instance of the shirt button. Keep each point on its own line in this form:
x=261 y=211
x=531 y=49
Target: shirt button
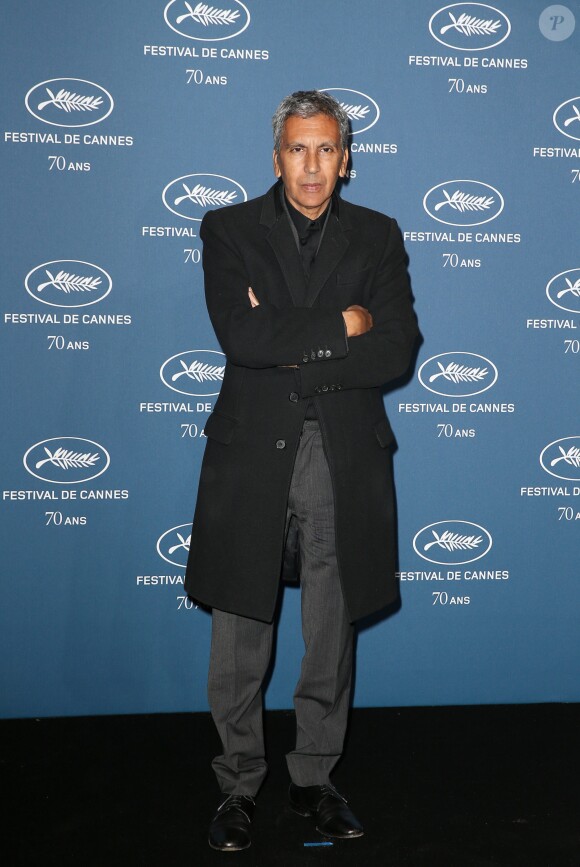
x=293 y=396
x=328 y=353
x=321 y=353
x=280 y=444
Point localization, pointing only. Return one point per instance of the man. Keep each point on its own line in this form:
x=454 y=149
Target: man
x=309 y=298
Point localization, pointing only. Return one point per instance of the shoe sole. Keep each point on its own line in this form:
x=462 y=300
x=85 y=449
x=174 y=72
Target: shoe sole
x=340 y=836
x=301 y=811
x=228 y=848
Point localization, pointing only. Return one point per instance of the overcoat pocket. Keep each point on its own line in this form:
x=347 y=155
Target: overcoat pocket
x=384 y=432
x=220 y=427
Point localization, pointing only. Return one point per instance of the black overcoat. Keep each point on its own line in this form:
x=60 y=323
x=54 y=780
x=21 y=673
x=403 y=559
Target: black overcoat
x=237 y=540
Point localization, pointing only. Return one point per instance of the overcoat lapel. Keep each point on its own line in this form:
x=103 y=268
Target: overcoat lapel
x=282 y=242
x=332 y=249
x=280 y=237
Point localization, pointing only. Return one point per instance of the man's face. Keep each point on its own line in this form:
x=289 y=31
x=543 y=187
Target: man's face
x=310 y=162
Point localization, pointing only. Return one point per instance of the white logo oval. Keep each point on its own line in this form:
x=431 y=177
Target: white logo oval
x=69 y=102
x=565 y=455
x=469 y=26
x=192 y=198
x=452 y=543
x=363 y=112
x=197 y=372
x=204 y=22
x=64 y=282
x=173 y=545
x=463 y=203
x=566 y=118
x=563 y=290
x=458 y=373
x=66 y=460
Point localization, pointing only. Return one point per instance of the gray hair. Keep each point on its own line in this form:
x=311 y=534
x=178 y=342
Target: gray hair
x=306 y=103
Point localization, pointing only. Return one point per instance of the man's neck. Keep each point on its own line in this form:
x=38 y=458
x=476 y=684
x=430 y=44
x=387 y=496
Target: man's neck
x=301 y=220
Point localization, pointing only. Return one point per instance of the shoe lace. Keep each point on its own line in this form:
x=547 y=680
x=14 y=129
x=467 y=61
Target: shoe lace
x=236 y=802
x=328 y=789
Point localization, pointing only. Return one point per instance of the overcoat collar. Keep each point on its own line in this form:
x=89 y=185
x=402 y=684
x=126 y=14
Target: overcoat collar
x=282 y=242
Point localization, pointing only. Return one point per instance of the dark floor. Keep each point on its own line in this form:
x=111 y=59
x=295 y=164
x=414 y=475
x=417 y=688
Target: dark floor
x=434 y=787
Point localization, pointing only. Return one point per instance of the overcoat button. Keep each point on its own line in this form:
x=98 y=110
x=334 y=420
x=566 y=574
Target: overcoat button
x=321 y=353
x=325 y=388
x=293 y=397
x=280 y=444
x=328 y=353
x=305 y=359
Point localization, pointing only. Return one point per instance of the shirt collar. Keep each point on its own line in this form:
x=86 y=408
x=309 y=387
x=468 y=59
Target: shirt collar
x=303 y=223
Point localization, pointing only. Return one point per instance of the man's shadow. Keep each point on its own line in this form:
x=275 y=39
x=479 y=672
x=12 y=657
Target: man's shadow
x=379 y=616
x=393 y=608
x=373 y=619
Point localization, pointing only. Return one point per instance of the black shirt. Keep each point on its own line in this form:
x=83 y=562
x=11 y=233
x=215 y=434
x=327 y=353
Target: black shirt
x=309 y=235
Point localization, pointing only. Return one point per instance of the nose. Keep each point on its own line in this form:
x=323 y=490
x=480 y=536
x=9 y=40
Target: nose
x=312 y=164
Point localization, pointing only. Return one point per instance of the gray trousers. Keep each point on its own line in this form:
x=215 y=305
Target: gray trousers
x=241 y=649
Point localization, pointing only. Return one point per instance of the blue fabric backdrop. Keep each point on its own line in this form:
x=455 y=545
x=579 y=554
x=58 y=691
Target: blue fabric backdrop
x=121 y=124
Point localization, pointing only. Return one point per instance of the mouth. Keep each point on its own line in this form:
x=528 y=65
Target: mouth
x=312 y=188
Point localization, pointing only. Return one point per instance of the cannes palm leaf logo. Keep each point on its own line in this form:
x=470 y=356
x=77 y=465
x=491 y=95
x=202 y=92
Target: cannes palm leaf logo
x=68 y=460
x=571 y=457
x=67 y=283
x=575 y=116
x=471 y=26
x=205 y=196
x=67 y=101
x=574 y=288
x=453 y=541
x=199 y=372
x=464 y=202
x=454 y=372
x=183 y=543
x=355 y=112
x=207 y=15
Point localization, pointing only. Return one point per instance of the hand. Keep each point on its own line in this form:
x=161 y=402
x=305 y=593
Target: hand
x=357 y=319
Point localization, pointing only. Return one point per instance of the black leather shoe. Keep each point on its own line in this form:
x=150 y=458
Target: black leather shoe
x=229 y=830
x=334 y=818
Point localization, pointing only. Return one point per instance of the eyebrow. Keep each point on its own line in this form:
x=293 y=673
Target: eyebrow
x=331 y=142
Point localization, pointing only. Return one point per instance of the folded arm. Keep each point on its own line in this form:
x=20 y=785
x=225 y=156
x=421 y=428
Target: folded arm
x=262 y=336
x=384 y=352
x=358 y=348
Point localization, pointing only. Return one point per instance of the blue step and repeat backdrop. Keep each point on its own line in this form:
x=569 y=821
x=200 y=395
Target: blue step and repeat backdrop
x=121 y=124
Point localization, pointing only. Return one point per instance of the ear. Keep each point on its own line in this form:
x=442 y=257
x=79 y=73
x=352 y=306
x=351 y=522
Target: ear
x=277 y=170
x=343 y=164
